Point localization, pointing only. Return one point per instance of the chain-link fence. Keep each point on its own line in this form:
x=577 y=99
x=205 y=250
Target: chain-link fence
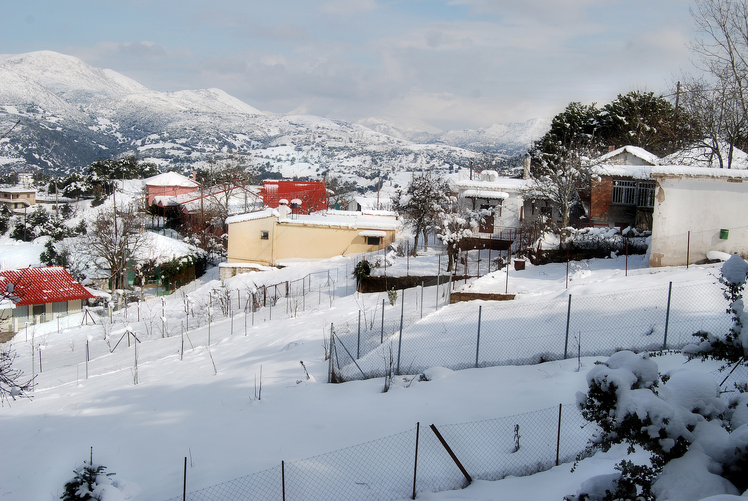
x=106 y=339
x=423 y=459
x=481 y=334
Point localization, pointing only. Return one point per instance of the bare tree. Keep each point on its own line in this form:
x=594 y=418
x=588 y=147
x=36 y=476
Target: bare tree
x=561 y=176
x=12 y=382
x=723 y=51
x=718 y=100
x=718 y=114
x=115 y=235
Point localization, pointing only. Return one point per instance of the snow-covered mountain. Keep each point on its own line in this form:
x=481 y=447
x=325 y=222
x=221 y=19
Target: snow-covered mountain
x=69 y=114
x=508 y=138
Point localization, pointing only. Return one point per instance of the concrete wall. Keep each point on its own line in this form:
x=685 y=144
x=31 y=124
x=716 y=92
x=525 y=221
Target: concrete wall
x=703 y=207
x=289 y=240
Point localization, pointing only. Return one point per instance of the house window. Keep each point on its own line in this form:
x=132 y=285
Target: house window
x=624 y=192
x=21 y=311
x=646 y=194
x=264 y=235
x=373 y=240
x=636 y=193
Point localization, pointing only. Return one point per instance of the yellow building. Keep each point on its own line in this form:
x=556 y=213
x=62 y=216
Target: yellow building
x=272 y=235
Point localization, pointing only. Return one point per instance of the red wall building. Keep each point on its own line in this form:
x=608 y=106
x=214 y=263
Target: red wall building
x=311 y=194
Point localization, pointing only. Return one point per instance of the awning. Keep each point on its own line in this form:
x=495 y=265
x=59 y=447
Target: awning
x=372 y=233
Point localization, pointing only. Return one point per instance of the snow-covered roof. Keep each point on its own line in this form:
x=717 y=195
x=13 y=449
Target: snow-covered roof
x=17 y=189
x=501 y=184
x=487 y=194
x=171 y=179
x=636 y=151
x=701 y=157
x=163 y=248
x=655 y=171
x=251 y=216
x=48 y=284
x=383 y=220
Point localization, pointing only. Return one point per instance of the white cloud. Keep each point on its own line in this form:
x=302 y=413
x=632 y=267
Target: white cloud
x=348 y=7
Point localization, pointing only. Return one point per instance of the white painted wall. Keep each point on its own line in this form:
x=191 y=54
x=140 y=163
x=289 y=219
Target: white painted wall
x=702 y=206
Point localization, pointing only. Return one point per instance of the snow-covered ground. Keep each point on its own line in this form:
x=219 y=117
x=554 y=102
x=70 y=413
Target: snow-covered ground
x=208 y=406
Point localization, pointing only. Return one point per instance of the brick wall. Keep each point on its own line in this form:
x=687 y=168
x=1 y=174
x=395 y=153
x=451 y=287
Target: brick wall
x=601 y=194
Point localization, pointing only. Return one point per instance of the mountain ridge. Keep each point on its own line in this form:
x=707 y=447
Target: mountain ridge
x=72 y=113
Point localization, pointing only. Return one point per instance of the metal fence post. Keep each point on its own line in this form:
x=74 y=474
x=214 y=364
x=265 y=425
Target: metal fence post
x=415 y=463
x=330 y=367
x=667 y=314
x=381 y=335
x=558 y=436
x=438 y=276
x=88 y=356
x=452 y=454
x=283 y=478
x=400 y=341
x=422 y=286
x=477 y=344
x=358 y=343
x=568 y=319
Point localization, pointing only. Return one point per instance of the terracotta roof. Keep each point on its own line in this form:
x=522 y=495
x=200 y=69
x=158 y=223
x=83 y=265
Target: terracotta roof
x=49 y=284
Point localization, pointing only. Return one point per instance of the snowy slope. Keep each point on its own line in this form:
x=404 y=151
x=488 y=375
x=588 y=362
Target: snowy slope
x=206 y=407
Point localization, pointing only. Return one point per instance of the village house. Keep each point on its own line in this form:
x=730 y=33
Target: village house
x=689 y=210
x=616 y=198
x=42 y=293
x=17 y=197
x=168 y=184
x=509 y=202
x=272 y=235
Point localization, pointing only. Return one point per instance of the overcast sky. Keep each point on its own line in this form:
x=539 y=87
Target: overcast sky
x=452 y=64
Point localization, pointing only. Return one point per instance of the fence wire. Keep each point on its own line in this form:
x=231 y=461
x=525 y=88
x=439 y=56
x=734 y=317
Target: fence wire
x=481 y=334
x=389 y=469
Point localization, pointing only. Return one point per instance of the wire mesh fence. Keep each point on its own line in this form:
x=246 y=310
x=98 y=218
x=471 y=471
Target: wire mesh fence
x=481 y=334
x=422 y=459
x=103 y=340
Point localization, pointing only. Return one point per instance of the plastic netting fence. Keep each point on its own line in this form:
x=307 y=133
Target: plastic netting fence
x=417 y=460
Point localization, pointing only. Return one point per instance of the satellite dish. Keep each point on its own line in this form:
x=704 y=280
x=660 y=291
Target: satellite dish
x=9 y=288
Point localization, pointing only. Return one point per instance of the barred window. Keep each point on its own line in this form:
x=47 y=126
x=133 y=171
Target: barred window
x=646 y=194
x=624 y=192
x=636 y=193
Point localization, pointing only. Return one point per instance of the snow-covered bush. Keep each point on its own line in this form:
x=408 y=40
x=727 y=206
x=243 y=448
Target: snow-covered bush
x=731 y=347
x=696 y=448
x=92 y=482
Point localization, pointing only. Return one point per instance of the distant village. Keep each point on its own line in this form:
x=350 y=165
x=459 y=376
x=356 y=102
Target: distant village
x=685 y=215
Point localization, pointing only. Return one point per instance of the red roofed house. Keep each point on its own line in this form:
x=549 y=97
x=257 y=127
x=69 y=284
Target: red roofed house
x=44 y=292
x=303 y=197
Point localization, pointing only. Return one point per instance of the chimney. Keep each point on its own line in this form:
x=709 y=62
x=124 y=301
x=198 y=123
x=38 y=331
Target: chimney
x=526 y=167
x=611 y=148
x=194 y=175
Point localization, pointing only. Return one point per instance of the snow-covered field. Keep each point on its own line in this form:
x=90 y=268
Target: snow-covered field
x=208 y=406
